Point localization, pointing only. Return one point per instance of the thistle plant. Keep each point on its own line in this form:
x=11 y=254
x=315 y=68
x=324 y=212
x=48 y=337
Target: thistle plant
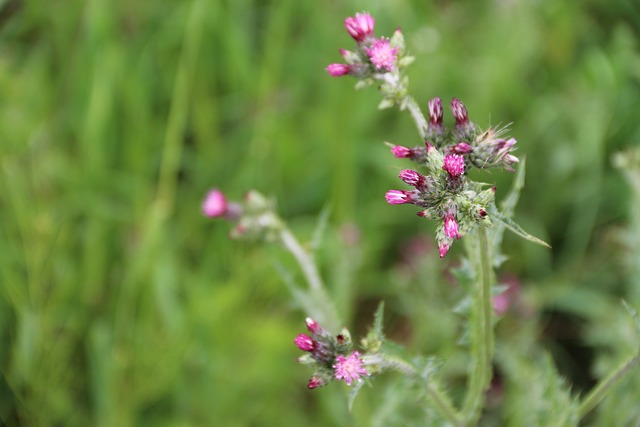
x=464 y=209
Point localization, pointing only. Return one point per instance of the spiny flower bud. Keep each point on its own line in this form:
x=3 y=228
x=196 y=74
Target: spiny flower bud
x=399 y=197
x=413 y=178
x=459 y=112
x=304 y=342
x=315 y=382
x=443 y=248
x=435 y=114
x=401 y=152
x=314 y=327
x=451 y=227
x=360 y=27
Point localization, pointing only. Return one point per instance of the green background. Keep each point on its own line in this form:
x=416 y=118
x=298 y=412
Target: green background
x=121 y=305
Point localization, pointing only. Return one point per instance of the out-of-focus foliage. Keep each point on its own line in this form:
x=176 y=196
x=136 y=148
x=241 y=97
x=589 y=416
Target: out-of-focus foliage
x=121 y=305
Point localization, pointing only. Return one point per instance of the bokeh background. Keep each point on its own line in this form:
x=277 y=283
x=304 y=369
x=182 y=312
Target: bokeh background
x=121 y=305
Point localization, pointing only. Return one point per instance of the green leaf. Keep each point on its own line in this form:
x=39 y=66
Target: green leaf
x=515 y=228
x=353 y=393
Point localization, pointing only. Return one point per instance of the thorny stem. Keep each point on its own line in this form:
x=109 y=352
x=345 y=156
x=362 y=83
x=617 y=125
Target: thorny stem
x=599 y=392
x=438 y=399
x=482 y=372
x=323 y=303
x=417 y=115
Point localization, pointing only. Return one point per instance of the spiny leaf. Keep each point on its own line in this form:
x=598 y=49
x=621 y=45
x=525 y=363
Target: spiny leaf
x=515 y=228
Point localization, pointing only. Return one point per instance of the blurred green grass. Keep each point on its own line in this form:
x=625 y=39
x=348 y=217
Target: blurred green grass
x=121 y=305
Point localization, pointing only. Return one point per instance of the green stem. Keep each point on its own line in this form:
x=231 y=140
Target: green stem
x=482 y=330
x=323 y=308
x=599 y=392
x=417 y=115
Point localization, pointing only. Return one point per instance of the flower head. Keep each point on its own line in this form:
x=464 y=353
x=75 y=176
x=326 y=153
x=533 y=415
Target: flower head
x=454 y=165
x=382 y=55
x=350 y=368
x=435 y=114
x=360 y=27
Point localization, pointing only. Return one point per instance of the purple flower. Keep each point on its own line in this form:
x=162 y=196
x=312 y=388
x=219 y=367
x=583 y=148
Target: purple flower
x=304 y=342
x=349 y=368
x=454 y=165
x=413 y=178
x=360 y=27
x=451 y=229
x=382 y=55
x=215 y=204
x=337 y=70
x=398 y=197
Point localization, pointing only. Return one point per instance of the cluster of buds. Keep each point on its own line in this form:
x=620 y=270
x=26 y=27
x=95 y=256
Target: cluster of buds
x=380 y=60
x=445 y=193
x=331 y=356
x=254 y=217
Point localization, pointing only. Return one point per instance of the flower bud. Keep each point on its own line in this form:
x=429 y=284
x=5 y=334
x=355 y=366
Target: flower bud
x=337 y=70
x=304 y=342
x=360 y=27
x=413 y=178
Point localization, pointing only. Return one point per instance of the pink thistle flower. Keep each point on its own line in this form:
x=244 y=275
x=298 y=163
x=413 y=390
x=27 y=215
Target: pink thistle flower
x=360 y=27
x=459 y=112
x=443 y=248
x=401 y=152
x=382 y=55
x=398 y=197
x=413 y=178
x=215 y=204
x=337 y=70
x=454 y=165
x=349 y=368
x=304 y=342
x=451 y=229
